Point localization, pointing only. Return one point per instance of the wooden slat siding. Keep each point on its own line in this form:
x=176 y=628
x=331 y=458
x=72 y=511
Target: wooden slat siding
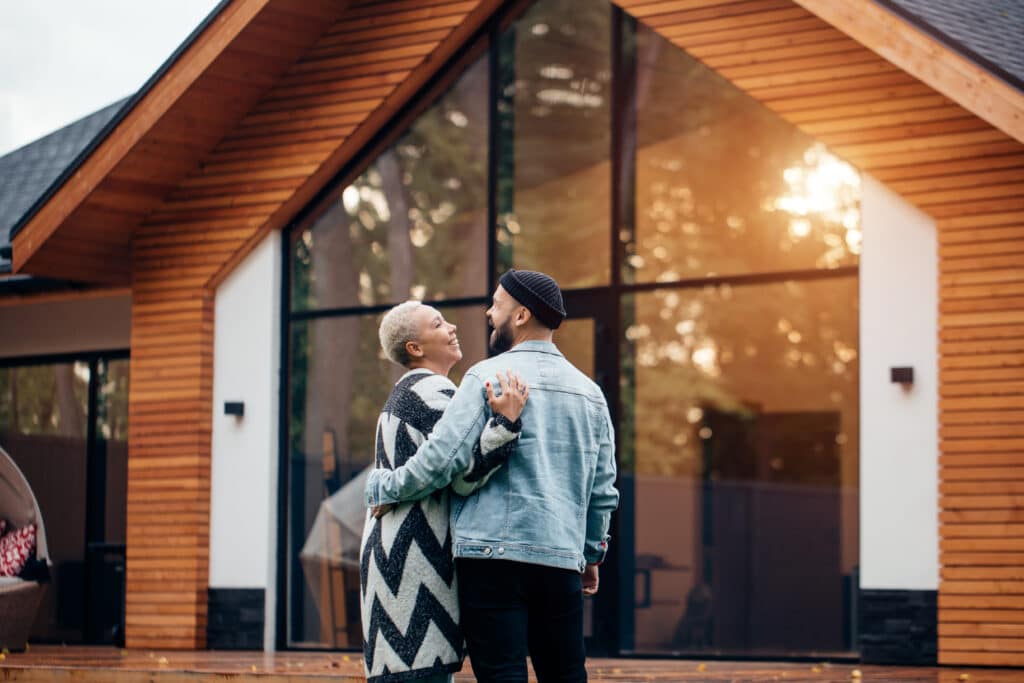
x=266 y=166
x=170 y=424
x=967 y=174
x=981 y=372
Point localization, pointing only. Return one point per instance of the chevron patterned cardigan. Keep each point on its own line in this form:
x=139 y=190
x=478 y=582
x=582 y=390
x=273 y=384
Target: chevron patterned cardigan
x=409 y=606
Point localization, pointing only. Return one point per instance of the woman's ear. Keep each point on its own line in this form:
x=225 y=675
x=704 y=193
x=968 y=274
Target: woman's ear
x=414 y=349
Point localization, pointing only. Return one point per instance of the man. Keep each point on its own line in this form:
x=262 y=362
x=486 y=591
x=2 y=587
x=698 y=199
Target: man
x=528 y=544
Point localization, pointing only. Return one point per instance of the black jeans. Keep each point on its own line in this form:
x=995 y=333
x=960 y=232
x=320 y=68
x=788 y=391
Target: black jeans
x=510 y=609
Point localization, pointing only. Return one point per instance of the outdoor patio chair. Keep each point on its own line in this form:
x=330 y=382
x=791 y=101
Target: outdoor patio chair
x=19 y=598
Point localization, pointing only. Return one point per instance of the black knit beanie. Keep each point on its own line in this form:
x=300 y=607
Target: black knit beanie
x=537 y=292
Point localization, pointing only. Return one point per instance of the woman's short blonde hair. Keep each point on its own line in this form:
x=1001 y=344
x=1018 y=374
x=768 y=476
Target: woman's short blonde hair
x=397 y=327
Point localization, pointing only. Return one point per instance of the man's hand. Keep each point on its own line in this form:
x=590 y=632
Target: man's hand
x=590 y=580
x=379 y=511
x=514 y=393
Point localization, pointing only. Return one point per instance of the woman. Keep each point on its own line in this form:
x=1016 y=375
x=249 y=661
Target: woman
x=409 y=599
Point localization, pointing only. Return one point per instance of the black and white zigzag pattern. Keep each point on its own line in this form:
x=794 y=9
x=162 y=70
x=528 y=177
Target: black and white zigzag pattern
x=409 y=600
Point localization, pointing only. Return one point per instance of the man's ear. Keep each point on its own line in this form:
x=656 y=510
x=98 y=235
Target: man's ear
x=414 y=349
x=523 y=316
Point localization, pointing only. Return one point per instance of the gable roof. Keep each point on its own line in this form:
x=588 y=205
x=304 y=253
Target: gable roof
x=989 y=32
x=169 y=126
x=220 y=72
x=27 y=172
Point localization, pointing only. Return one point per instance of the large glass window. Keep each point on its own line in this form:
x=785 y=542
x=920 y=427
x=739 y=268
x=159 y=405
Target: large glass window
x=708 y=255
x=554 y=168
x=65 y=424
x=744 y=407
x=412 y=225
x=339 y=382
x=723 y=185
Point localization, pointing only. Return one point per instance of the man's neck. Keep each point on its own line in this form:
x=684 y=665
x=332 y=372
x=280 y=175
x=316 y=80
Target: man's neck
x=534 y=335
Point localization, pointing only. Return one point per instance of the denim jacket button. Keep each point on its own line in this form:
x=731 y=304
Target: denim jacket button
x=501 y=551
x=487 y=551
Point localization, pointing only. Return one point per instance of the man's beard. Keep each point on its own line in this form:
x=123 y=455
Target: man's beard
x=501 y=338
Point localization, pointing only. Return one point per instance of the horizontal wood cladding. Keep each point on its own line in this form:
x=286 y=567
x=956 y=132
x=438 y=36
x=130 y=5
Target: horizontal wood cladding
x=969 y=176
x=169 y=468
x=981 y=373
x=268 y=163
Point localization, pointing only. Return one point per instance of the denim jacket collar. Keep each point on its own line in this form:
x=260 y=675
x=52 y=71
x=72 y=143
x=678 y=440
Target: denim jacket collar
x=537 y=346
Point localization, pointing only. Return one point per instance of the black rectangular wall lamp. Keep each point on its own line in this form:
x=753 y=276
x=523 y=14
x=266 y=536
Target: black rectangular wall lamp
x=236 y=408
x=902 y=375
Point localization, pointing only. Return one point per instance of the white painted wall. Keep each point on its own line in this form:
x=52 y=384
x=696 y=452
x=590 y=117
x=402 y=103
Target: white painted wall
x=100 y=323
x=899 y=465
x=243 y=500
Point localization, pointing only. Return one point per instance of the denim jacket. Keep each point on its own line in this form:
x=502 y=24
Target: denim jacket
x=552 y=502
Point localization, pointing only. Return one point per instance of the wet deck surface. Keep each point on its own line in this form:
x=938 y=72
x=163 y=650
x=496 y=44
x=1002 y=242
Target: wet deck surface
x=95 y=665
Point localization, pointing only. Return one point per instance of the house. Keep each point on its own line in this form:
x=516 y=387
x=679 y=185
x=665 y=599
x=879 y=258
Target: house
x=790 y=238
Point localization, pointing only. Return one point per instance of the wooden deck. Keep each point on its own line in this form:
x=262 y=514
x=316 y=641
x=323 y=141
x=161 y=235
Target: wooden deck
x=107 y=665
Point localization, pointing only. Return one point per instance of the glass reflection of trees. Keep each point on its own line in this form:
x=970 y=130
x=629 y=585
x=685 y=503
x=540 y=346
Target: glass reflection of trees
x=723 y=185
x=554 y=170
x=412 y=225
x=739 y=220
x=790 y=346
x=44 y=399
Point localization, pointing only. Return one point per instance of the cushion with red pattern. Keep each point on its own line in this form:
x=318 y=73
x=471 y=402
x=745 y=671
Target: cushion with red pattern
x=15 y=549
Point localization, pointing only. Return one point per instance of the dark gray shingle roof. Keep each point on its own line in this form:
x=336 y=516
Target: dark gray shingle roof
x=990 y=32
x=27 y=172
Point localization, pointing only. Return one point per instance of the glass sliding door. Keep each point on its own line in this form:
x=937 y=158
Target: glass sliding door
x=744 y=406
x=64 y=422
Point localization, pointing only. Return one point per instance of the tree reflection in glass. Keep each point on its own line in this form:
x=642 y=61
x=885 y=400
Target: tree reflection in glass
x=339 y=381
x=742 y=418
x=723 y=185
x=554 y=170
x=411 y=225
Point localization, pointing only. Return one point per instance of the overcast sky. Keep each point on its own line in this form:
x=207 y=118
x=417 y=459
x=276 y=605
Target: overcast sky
x=63 y=59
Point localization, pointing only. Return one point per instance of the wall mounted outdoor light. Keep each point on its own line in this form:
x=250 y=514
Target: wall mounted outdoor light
x=902 y=375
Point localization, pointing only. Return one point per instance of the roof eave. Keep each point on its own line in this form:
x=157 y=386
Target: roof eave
x=116 y=121
x=121 y=137
x=896 y=39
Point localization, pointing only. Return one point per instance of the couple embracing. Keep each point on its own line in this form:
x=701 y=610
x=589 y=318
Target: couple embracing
x=490 y=502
